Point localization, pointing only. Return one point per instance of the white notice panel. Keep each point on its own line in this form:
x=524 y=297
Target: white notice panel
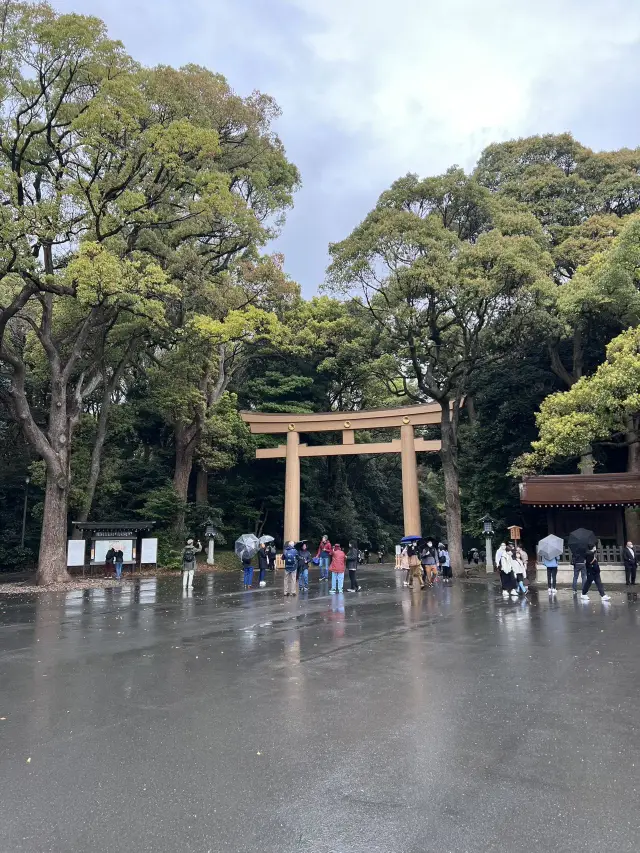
x=75 y=552
x=149 y=552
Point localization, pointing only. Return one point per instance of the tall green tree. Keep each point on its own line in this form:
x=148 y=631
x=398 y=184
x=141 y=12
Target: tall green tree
x=442 y=273
x=96 y=150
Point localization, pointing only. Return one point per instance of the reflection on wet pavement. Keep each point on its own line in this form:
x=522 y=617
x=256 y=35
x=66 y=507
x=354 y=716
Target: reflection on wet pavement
x=387 y=720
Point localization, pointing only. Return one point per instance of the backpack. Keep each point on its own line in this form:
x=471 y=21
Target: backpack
x=442 y=557
x=189 y=557
x=291 y=560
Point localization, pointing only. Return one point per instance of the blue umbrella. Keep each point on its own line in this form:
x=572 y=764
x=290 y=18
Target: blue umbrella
x=406 y=539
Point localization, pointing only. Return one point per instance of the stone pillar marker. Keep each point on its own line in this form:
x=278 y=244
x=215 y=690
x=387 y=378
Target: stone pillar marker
x=410 y=497
x=292 y=489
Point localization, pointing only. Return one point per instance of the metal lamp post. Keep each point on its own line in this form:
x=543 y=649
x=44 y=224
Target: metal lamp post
x=210 y=535
x=487 y=527
x=27 y=480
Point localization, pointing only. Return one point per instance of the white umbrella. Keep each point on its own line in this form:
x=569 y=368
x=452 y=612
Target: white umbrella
x=266 y=540
x=247 y=546
x=550 y=547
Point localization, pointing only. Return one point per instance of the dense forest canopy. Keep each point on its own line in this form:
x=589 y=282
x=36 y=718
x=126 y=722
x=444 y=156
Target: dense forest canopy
x=141 y=311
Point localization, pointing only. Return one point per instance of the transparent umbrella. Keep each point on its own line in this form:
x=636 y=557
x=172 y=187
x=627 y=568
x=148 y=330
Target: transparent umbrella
x=247 y=546
x=266 y=540
x=550 y=547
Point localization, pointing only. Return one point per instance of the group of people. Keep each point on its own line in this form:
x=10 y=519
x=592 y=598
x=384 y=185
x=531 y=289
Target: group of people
x=424 y=563
x=266 y=560
x=330 y=558
x=587 y=568
x=511 y=562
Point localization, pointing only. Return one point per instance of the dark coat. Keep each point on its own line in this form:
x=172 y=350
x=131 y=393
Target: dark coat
x=352 y=559
x=263 y=559
x=630 y=562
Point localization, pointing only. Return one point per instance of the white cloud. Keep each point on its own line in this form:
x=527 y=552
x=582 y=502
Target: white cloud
x=425 y=83
x=372 y=89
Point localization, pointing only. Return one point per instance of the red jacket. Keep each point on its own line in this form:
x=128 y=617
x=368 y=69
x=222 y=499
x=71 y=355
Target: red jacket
x=337 y=563
x=326 y=547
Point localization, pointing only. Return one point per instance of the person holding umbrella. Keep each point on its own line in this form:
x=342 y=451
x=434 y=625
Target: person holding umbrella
x=246 y=547
x=593 y=574
x=580 y=541
x=549 y=549
x=263 y=562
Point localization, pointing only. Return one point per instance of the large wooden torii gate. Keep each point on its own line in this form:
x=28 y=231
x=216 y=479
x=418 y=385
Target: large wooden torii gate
x=406 y=418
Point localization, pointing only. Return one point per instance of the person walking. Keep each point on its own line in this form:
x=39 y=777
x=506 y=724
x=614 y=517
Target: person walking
x=380 y=556
x=579 y=568
x=445 y=562
x=189 y=563
x=630 y=564
x=593 y=575
x=352 y=566
x=429 y=561
x=404 y=565
x=272 y=557
x=263 y=564
x=415 y=569
x=499 y=553
x=338 y=561
x=304 y=558
x=552 y=575
x=324 y=555
x=290 y=569
x=366 y=556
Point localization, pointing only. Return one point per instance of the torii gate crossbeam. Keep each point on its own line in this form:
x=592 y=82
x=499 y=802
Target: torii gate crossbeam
x=406 y=418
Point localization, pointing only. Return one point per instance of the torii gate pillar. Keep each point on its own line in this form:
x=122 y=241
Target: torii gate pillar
x=410 y=496
x=292 y=489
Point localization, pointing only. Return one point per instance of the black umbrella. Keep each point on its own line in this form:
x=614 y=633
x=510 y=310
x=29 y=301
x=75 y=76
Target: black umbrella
x=580 y=540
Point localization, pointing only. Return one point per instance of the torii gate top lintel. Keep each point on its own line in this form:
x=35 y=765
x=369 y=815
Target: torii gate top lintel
x=404 y=417
x=421 y=415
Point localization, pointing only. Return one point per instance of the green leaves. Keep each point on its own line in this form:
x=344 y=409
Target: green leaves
x=594 y=409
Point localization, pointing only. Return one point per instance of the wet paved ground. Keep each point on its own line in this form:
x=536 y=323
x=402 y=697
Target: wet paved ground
x=386 y=721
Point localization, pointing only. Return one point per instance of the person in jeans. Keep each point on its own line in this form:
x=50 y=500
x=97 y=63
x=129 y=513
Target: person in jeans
x=579 y=568
x=118 y=560
x=189 y=563
x=263 y=563
x=630 y=564
x=552 y=574
x=290 y=569
x=304 y=558
x=593 y=575
x=324 y=555
x=352 y=566
x=247 y=566
x=338 y=562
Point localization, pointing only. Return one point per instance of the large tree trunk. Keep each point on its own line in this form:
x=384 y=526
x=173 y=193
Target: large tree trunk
x=52 y=560
x=449 y=456
x=202 y=486
x=185 y=447
x=631 y=516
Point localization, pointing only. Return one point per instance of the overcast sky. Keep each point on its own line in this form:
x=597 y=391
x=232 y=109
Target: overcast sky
x=373 y=89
